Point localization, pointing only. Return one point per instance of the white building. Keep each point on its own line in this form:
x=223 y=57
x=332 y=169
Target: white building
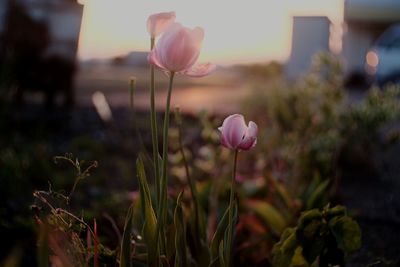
x=364 y=21
x=310 y=36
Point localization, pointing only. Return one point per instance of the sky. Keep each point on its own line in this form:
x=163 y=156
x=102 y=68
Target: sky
x=236 y=31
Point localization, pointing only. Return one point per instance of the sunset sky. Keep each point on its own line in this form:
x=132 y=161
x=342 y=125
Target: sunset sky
x=235 y=31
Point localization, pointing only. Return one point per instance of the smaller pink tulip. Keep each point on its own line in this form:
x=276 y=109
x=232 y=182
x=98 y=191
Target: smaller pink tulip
x=158 y=23
x=177 y=51
x=235 y=134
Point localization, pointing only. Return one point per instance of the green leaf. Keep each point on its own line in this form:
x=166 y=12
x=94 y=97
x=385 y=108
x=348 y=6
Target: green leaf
x=336 y=211
x=270 y=216
x=160 y=164
x=229 y=241
x=282 y=191
x=148 y=215
x=298 y=260
x=180 y=235
x=221 y=251
x=283 y=251
x=308 y=216
x=311 y=239
x=316 y=198
x=218 y=236
x=347 y=233
x=309 y=234
x=200 y=250
x=125 y=257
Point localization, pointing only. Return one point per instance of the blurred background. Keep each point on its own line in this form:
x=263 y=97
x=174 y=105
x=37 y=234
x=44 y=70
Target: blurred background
x=65 y=68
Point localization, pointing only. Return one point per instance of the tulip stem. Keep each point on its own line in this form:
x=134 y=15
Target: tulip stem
x=154 y=130
x=162 y=206
x=231 y=214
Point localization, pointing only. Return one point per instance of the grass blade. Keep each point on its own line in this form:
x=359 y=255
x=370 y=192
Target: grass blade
x=148 y=215
x=180 y=235
x=125 y=257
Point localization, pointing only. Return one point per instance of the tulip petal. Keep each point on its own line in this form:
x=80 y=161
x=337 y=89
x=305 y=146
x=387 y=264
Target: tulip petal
x=158 y=23
x=200 y=70
x=178 y=50
x=153 y=60
x=197 y=35
x=250 y=138
x=225 y=143
x=233 y=130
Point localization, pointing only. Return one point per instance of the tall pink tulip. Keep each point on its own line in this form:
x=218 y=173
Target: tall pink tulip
x=235 y=134
x=158 y=23
x=177 y=51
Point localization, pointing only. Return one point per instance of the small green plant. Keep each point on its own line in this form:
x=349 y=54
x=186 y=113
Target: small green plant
x=321 y=238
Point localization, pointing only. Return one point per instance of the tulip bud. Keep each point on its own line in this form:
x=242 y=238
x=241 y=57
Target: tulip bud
x=235 y=134
x=177 y=51
x=158 y=23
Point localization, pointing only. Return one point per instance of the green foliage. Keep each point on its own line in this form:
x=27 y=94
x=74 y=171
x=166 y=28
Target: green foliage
x=125 y=257
x=269 y=214
x=366 y=128
x=300 y=123
x=181 y=259
x=217 y=240
x=313 y=129
x=148 y=215
x=347 y=233
x=326 y=235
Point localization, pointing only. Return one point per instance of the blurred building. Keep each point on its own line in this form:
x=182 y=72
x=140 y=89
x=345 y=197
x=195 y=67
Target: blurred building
x=62 y=18
x=364 y=21
x=310 y=36
x=39 y=40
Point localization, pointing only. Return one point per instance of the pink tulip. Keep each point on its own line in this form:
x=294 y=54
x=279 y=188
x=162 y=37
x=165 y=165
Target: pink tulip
x=235 y=134
x=158 y=23
x=177 y=51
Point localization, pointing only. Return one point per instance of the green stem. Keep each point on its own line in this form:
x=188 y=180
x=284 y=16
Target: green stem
x=230 y=225
x=162 y=206
x=154 y=130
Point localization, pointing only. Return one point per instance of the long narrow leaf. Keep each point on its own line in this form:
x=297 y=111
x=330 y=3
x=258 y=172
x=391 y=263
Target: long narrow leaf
x=318 y=194
x=148 y=215
x=218 y=236
x=282 y=191
x=271 y=216
x=125 y=258
x=221 y=251
x=180 y=235
x=229 y=244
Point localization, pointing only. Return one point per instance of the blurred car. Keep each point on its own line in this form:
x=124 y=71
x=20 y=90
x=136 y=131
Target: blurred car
x=383 y=59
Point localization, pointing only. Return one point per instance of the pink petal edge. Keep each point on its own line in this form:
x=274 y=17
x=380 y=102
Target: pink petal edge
x=200 y=70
